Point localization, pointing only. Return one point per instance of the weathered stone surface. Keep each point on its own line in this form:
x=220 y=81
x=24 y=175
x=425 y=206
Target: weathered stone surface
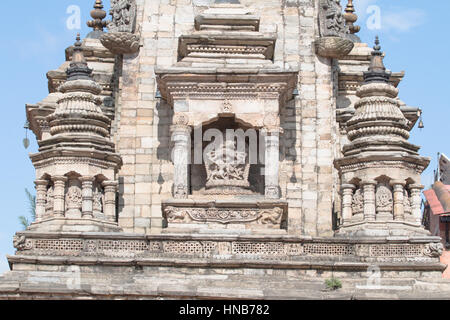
x=229 y=227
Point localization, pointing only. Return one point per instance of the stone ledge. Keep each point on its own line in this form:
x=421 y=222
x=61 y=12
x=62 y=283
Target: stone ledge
x=207 y=263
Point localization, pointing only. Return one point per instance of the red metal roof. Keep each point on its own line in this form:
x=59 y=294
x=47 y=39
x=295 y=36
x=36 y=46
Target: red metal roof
x=438 y=198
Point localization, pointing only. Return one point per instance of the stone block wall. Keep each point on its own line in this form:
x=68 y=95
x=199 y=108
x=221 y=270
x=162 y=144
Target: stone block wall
x=307 y=147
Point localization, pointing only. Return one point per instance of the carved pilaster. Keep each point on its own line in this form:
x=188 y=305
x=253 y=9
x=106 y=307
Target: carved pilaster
x=272 y=164
x=399 y=211
x=347 y=197
x=87 y=201
x=110 y=188
x=416 y=201
x=41 y=198
x=58 y=196
x=369 y=200
x=181 y=138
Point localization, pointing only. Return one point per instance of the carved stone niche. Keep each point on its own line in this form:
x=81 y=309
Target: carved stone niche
x=208 y=216
x=121 y=38
x=227 y=167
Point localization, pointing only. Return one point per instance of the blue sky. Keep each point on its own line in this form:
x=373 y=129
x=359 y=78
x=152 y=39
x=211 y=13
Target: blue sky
x=413 y=34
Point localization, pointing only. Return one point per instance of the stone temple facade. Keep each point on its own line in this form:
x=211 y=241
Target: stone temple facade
x=224 y=149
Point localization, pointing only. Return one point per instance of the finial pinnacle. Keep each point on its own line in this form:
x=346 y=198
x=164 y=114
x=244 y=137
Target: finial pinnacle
x=78 y=68
x=377 y=71
x=350 y=18
x=377 y=46
x=98 y=14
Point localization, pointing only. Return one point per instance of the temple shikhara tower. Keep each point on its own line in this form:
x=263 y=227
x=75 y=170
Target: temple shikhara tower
x=223 y=149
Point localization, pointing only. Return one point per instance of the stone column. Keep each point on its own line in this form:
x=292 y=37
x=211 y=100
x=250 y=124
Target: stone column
x=110 y=188
x=87 y=184
x=272 y=164
x=347 y=197
x=369 y=200
x=416 y=201
x=41 y=198
x=58 y=196
x=181 y=138
x=399 y=210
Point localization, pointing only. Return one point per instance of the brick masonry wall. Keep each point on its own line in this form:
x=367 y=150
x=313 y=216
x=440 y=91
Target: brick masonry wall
x=307 y=148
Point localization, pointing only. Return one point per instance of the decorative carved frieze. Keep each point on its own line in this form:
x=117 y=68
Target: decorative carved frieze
x=213 y=247
x=272 y=216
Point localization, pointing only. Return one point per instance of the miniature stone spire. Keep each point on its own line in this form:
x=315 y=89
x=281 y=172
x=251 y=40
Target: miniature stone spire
x=380 y=167
x=78 y=68
x=377 y=71
x=98 y=14
x=378 y=112
x=350 y=18
x=80 y=101
x=76 y=166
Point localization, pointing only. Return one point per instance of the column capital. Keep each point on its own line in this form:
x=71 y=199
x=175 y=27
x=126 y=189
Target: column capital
x=180 y=129
x=272 y=131
x=416 y=187
x=59 y=179
x=347 y=186
x=397 y=183
x=41 y=183
x=368 y=183
x=87 y=179
x=110 y=183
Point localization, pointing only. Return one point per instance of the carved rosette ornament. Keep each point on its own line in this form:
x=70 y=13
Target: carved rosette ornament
x=121 y=38
x=334 y=41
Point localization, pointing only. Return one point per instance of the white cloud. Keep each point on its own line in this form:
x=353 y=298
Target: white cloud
x=402 y=21
x=393 y=18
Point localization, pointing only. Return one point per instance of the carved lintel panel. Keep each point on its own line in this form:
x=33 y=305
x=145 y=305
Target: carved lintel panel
x=272 y=216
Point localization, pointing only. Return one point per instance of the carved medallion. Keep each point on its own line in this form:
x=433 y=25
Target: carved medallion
x=74 y=197
x=384 y=199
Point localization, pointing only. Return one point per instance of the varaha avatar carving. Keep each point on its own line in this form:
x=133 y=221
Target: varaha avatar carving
x=131 y=189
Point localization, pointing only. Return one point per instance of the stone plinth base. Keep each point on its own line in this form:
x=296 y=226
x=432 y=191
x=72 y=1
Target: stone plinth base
x=382 y=229
x=226 y=216
x=116 y=266
x=74 y=225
